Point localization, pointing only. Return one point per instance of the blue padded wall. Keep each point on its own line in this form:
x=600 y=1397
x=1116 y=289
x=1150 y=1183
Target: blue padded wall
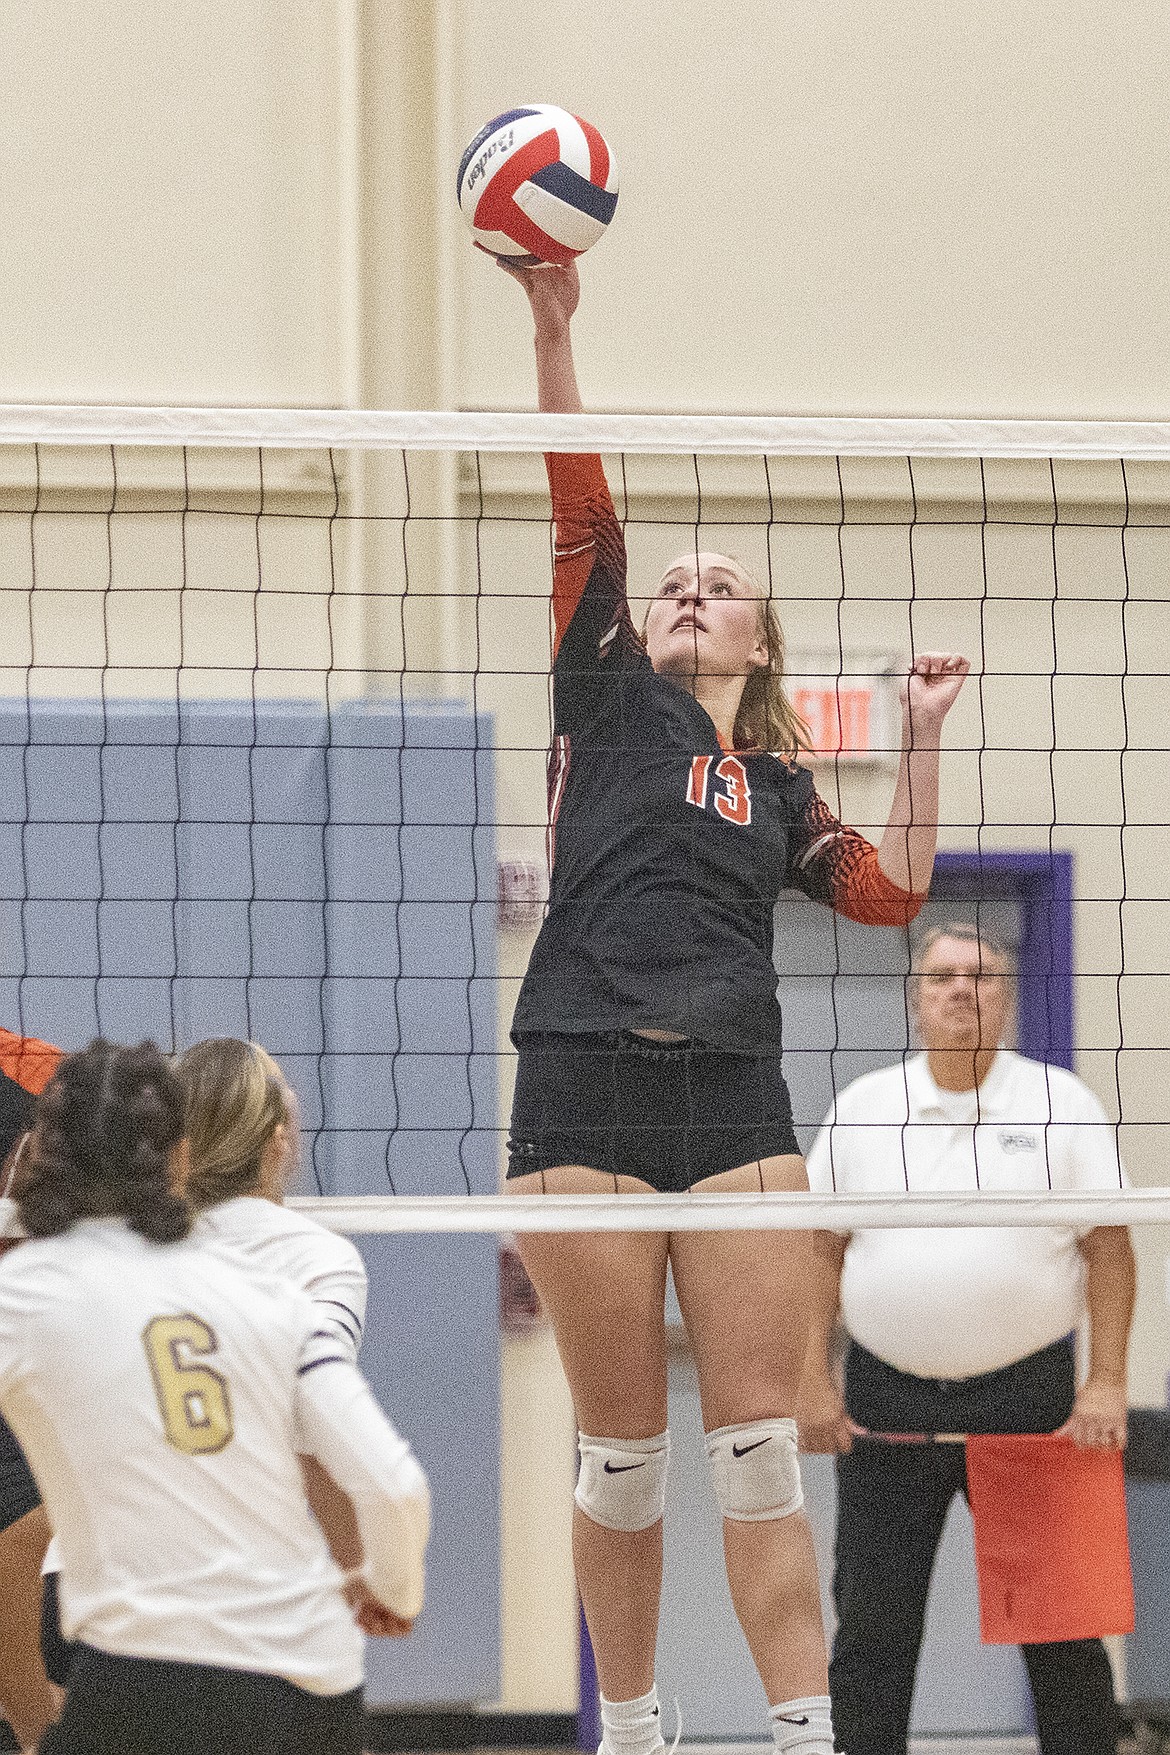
x=327 y=886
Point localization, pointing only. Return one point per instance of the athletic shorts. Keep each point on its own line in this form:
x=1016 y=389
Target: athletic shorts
x=139 y=1706
x=18 y=1490
x=669 y=1113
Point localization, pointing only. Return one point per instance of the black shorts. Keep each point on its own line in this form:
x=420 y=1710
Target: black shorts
x=140 y=1706
x=669 y=1113
x=18 y=1490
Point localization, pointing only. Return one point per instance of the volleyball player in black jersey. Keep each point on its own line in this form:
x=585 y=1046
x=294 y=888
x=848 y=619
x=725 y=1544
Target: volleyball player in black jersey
x=649 y=1056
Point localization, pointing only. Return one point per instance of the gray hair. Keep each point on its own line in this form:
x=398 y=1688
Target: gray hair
x=968 y=932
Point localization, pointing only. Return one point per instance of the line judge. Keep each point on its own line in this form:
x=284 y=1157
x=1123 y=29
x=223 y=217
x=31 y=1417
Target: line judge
x=958 y=1330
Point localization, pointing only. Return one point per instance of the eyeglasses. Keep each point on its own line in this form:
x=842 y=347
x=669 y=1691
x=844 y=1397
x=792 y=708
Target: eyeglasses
x=940 y=977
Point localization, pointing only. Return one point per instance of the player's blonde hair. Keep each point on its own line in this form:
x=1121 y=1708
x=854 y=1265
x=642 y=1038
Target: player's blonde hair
x=234 y=1099
x=766 y=718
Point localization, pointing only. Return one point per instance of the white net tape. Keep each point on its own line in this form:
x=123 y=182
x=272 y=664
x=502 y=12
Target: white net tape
x=677 y=435
x=735 y=1212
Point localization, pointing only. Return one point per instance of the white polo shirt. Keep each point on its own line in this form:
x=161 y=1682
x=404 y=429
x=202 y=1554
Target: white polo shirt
x=954 y=1303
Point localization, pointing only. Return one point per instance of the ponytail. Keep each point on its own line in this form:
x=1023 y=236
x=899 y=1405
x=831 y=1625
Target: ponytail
x=234 y=1099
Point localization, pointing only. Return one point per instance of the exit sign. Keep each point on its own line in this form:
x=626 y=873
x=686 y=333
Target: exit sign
x=852 y=711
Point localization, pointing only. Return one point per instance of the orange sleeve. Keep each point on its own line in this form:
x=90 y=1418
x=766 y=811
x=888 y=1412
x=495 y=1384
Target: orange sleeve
x=863 y=892
x=586 y=531
x=835 y=865
x=30 y=1062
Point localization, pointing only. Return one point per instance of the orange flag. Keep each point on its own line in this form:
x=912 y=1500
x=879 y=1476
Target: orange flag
x=1051 y=1548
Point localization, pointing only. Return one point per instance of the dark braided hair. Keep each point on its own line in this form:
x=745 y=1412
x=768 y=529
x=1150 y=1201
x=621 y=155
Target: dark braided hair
x=104 y=1130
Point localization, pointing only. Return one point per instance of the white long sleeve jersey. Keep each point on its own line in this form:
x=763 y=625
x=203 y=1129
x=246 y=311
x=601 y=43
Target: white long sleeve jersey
x=326 y=1267
x=162 y=1394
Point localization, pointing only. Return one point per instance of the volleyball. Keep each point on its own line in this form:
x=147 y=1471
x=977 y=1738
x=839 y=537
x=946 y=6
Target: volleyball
x=537 y=185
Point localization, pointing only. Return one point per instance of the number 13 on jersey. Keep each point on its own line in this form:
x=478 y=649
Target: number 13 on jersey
x=734 y=802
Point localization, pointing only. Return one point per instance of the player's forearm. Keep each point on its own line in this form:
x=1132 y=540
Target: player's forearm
x=350 y=1436
x=822 y=1301
x=907 y=847
x=556 y=372
x=334 y=1511
x=1111 y=1283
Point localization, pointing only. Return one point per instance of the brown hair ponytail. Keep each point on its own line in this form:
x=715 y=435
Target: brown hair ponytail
x=105 y=1127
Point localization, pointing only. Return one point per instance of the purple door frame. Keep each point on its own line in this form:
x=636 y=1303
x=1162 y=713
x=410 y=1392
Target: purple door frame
x=1042 y=883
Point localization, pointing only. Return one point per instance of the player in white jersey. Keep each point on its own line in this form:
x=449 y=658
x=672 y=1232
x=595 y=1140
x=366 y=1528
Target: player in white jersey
x=162 y=1391
x=27 y=1699
x=242 y=1129
x=243 y=1133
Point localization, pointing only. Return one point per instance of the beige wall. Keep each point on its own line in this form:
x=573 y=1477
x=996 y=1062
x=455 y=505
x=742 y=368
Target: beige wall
x=893 y=207
x=169 y=202
x=890 y=208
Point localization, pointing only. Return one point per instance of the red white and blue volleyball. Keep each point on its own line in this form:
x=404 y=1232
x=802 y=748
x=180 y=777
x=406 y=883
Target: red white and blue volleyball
x=537 y=185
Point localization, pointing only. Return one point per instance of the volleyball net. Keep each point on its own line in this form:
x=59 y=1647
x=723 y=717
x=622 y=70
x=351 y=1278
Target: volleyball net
x=274 y=719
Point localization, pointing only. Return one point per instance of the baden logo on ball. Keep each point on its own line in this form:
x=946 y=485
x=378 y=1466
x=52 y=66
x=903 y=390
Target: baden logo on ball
x=537 y=185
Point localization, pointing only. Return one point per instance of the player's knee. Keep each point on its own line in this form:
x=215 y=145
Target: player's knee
x=622 y=1481
x=755 y=1470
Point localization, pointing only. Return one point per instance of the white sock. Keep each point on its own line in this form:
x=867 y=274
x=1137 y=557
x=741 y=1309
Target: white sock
x=803 y=1727
x=631 y=1727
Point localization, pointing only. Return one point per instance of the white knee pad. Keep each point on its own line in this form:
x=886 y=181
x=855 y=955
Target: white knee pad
x=755 y=1470
x=622 y=1481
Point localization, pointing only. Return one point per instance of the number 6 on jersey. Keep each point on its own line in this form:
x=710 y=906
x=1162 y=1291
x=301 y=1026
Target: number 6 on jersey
x=193 y=1399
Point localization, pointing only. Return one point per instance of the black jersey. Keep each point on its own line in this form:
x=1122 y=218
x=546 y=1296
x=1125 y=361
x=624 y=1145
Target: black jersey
x=668 y=851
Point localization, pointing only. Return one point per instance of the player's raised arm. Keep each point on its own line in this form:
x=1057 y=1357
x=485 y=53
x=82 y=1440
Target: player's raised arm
x=553 y=293
x=885 y=885
x=906 y=852
x=587 y=531
x=343 y=1427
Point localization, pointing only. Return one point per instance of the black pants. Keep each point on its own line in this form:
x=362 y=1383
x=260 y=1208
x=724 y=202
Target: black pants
x=138 y=1706
x=892 y=1502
